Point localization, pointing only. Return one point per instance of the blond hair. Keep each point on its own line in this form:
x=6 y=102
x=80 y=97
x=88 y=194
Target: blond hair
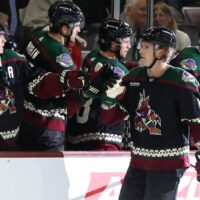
x=165 y=8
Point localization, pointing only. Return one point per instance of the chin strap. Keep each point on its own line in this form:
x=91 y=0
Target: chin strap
x=153 y=63
x=155 y=59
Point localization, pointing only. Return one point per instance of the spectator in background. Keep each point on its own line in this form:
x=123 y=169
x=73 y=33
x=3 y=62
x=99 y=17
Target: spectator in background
x=34 y=17
x=11 y=9
x=135 y=14
x=163 y=16
x=75 y=46
x=10 y=42
x=4 y=21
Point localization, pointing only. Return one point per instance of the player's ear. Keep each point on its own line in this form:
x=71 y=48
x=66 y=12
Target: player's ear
x=161 y=53
x=113 y=45
x=64 y=30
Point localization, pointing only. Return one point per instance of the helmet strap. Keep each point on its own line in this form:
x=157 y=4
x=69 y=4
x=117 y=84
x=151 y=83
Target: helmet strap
x=164 y=57
x=117 y=50
x=66 y=37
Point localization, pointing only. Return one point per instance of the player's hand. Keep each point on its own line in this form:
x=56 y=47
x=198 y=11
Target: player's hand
x=74 y=79
x=113 y=94
x=102 y=78
x=197 y=166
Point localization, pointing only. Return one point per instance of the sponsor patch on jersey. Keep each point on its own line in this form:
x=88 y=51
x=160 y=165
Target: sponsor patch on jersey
x=64 y=60
x=134 y=84
x=187 y=77
x=189 y=64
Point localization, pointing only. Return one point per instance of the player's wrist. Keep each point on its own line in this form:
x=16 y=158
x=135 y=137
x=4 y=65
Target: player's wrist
x=108 y=102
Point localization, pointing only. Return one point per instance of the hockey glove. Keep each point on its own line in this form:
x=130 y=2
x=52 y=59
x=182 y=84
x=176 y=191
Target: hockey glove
x=102 y=78
x=197 y=166
x=74 y=79
x=112 y=95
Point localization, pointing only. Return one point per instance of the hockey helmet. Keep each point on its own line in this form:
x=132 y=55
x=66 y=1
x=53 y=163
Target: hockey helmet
x=65 y=13
x=113 y=30
x=160 y=36
x=12 y=45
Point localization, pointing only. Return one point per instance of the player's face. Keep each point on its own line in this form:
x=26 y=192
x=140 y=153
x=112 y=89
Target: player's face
x=2 y=43
x=146 y=53
x=125 y=46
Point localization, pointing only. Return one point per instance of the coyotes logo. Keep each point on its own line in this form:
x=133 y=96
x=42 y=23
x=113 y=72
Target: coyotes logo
x=7 y=101
x=146 y=117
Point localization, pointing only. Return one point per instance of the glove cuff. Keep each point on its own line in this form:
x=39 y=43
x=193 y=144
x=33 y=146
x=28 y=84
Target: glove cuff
x=108 y=101
x=92 y=92
x=63 y=80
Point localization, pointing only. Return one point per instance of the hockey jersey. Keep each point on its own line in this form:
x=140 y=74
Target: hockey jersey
x=48 y=53
x=45 y=120
x=85 y=130
x=17 y=78
x=160 y=110
x=189 y=59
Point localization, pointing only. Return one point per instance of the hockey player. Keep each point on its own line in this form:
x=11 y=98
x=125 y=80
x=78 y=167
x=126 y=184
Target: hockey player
x=161 y=101
x=47 y=48
x=85 y=130
x=189 y=59
x=18 y=77
x=44 y=121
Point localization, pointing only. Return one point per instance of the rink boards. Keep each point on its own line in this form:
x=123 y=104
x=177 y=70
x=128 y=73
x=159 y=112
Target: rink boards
x=73 y=176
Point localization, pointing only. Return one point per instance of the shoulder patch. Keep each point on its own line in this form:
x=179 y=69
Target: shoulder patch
x=188 y=64
x=187 y=77
x=64 y=60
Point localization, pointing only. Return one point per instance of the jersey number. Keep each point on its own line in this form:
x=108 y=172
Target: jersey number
x=83 y=114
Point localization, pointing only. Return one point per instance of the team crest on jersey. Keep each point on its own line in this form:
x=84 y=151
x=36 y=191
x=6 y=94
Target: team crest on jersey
x=7 y=101
x=187 y=77
x=146 y=117
x=64 y=60
x=189 y=64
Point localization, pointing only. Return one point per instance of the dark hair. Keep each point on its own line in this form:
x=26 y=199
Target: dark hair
x=113 y=30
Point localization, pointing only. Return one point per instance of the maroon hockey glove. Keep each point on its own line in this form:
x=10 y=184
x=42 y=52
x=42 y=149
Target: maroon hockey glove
x=74 y=79
x=101 y=80
x=197 y=166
